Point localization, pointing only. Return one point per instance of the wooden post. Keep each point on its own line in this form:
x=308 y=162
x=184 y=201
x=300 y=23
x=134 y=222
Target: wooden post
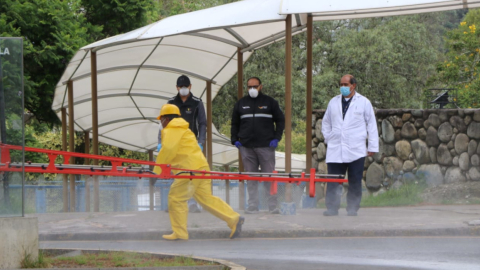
x=241 y=184
x=86 y=135
x=209 y=125
x=288 y=104
x=64 y=148
x=308 y=144
x=151 y=186
x=96 y=187
x=71 y=142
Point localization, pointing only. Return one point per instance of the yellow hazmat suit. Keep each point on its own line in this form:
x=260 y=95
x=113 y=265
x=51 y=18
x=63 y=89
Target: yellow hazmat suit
x=181 y=150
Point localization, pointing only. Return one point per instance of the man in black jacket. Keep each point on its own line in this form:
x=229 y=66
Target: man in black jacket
x=257 y=127
x=192 y=111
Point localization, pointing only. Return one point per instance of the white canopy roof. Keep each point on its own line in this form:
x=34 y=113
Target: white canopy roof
x=326 y=10
x=137 y=71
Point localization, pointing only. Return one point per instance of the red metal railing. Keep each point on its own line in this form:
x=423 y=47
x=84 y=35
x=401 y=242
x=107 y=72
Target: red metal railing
x=167 y=172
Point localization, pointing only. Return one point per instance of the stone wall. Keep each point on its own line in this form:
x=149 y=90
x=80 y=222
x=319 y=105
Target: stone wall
x=441 y=146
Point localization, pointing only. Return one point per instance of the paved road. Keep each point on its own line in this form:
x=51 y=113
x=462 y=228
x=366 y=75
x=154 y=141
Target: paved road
x=359 y=253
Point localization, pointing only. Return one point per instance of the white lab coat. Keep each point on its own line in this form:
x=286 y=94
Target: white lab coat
x=346 y=138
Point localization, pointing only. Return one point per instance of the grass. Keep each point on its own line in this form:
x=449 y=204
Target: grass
x=29 y=262
x=407 y=194
x=110 y=259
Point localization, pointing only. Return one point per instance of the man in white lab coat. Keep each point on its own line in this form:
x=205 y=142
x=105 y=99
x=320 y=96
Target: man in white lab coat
x=348 y=122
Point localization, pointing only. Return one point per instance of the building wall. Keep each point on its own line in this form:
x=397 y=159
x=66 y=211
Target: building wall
x=439 y=145
x=18 y=238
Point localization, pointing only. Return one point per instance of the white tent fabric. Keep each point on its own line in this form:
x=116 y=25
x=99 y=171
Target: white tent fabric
x=326 y=10
x=137 y=71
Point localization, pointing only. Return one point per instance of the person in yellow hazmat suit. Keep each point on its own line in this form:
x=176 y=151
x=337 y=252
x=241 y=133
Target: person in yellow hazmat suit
x=180 y=149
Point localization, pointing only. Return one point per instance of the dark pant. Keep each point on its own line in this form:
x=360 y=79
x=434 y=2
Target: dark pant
x=354 y=195
x=253 y=158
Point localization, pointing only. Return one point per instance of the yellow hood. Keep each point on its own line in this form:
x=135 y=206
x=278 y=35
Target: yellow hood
x=180 y=147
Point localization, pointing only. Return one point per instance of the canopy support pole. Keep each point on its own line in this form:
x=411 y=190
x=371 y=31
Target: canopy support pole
x=309 y=99
x=227 y=185
x=151 y=186
x=241 y=184
x=209 y=125
x=288 y=104
x=96 y=186
x=86 y=135
x=71 y=142
x=64 y=148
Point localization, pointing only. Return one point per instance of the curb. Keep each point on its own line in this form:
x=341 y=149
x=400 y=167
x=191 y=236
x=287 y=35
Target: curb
x=223 y=234
x=222 y=263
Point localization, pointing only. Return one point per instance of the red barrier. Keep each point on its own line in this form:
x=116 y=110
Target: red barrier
x=167 y=172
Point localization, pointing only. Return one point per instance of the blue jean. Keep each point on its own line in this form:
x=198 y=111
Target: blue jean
x=354 y=195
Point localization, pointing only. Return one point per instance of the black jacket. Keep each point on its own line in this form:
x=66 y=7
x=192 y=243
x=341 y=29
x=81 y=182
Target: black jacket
x=257 y=121
x=193 y=111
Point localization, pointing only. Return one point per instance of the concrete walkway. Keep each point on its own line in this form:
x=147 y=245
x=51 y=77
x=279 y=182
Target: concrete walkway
x=460 y=220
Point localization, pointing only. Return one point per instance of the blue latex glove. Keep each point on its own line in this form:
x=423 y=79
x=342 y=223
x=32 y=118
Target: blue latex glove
x=159 y=146
x=238 y=144
x=201 y=146
x=274 y=143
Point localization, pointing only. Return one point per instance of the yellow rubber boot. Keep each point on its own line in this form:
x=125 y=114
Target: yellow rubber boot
x=172 y=237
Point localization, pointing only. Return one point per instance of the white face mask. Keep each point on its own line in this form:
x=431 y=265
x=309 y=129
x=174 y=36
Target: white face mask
x=253 y=92
x=184 y=91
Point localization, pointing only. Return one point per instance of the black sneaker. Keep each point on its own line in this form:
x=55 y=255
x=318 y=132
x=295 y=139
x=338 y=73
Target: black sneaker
x=238 y=228
x=251 y=210
x=352 y=213
x=329 y=213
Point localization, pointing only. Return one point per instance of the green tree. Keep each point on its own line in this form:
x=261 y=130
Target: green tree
x=461 y=68
x=119 y=16
x=53 y=31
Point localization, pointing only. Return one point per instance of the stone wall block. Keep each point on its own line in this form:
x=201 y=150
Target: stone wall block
x=469 y=111
x=474 y=130
x=420 y=150
x=392 y=166
x=472 y=147
x=409 y=131
x=408 y=166
x=406 y=117
x=474 y=174
x=398 y=135
x=458 y=123
x=464 y=161
x=426 y=124
x=476 y=116
x=375 y=175
x=395 y=121
x=431 y=173
x=450 y=145
x=422 y=134
x=443 y=155
x=322 y=168
x=475 y=160
x=432 y=136
x=467 y=120
x=445 y=132
x=417 y=113
x=318 y=130
x=461 y=143
x=443 y=116
x=321 y=151
x=434 y=120
x=403 y=149
x=388 y=132
x=418 y=123
x=384 y=150
x=453 y=175
x=433 y=154
x=455 y=161
x=453 y=152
